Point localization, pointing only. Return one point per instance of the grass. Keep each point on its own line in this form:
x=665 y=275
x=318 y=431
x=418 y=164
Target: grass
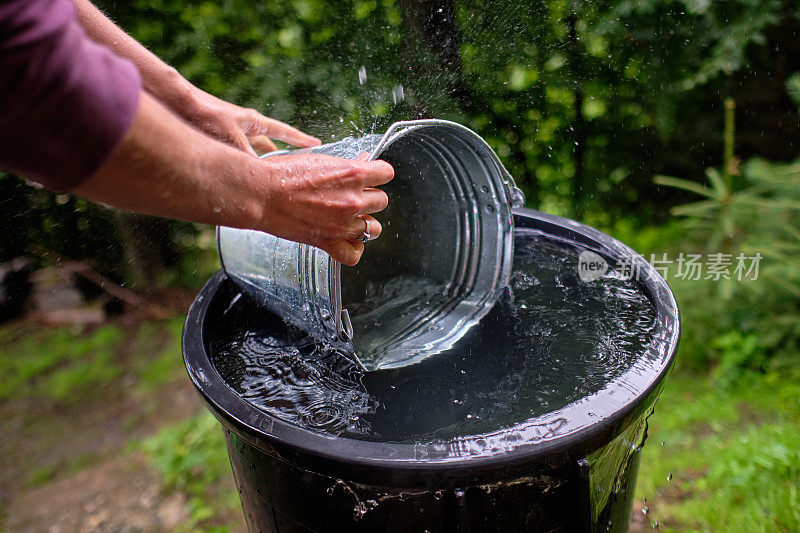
x=732 y=453
x=57 y=385
x=47 y=473
x=192 y=458
x=67 y=364
x=59 y=363
x=155 y=371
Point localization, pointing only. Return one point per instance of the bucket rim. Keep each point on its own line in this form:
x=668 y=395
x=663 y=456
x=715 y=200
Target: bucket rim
x=305 y=446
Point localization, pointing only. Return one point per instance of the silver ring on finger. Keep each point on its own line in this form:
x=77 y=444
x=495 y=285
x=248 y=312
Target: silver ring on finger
x=365 y=236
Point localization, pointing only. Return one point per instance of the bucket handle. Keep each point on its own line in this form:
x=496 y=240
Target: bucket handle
x=514 y=196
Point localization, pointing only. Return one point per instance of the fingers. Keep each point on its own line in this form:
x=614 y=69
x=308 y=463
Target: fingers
x=357 y=228
x=374 y=173
x=275 y=129
x=374 y=200
x=240 y=141
x=346 y=252
x=262 y=143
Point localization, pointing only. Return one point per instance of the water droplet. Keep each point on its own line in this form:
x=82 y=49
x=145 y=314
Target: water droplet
x=330 y=491
x=654 y=524
x=358 y=512
x=645 y=510
x=669 y=476
x=398 y=94
x=490 y=208
x=662 y=442
x=217 y=209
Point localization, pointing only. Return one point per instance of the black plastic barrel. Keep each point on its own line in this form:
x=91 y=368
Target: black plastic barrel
x=292 y=479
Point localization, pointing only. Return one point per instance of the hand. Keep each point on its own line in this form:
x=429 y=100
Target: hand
x=240 y=127
x=167 y=168
x=323 y=201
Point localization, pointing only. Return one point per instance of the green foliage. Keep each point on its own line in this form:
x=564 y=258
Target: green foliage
x=66 y=364
x=83 y=377
x=192 y=458
x=737 y=352
x=163 y=362
x=42 y=475
x=56 y=363
x=198 y=260
x=534 y=79
x=584 y=102
x=733 y=456
x=34 y=217
x=753 y=322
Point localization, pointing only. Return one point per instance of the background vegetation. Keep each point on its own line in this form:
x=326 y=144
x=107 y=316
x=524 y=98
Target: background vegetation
x=600 y=110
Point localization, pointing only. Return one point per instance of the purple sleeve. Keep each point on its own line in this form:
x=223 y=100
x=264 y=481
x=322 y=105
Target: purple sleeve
x=65 y=101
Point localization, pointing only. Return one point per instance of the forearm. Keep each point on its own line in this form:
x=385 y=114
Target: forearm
x=160 y=79
x=165 y=167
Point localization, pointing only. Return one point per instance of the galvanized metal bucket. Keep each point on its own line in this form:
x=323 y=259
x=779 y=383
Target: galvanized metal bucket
x=442 y=261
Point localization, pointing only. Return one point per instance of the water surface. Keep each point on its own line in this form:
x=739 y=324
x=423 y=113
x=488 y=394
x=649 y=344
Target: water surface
x=551 y=341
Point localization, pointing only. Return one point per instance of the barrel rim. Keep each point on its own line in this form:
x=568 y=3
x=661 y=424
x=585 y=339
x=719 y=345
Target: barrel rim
x=273 y=435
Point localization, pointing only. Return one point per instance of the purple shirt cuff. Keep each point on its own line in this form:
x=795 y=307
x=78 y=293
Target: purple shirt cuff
x=67 y=101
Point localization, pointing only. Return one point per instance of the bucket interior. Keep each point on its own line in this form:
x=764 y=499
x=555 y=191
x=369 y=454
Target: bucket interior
x=446 y=240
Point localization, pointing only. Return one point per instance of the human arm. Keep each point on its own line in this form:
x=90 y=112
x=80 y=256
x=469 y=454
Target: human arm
x=75 y=118
x=230 y=123
x=167 y=168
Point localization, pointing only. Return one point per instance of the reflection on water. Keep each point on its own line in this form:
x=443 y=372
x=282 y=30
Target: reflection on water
x=549 y=343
